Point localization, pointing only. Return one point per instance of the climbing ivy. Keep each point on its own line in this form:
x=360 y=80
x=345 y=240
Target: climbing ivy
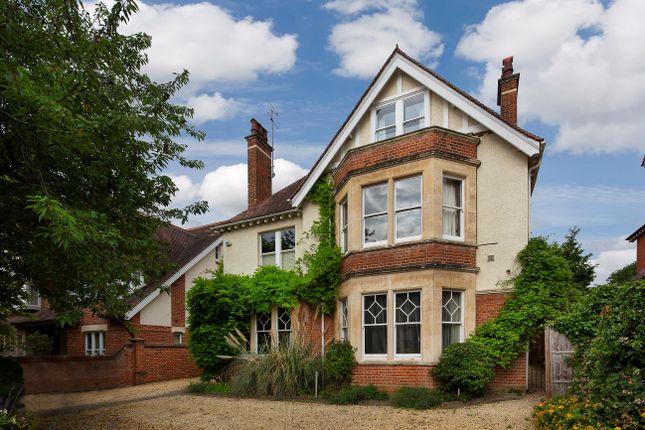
x=224 y=303
x=543 y=290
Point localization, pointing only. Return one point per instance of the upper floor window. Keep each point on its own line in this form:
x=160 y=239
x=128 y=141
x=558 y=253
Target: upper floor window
x=278 y=248
x=407 y=207
x=453 y=208
x=33 y=297
x=218 y=253
x=375 y=214
x=452 y=325
x=344 y=245
x=401 y=116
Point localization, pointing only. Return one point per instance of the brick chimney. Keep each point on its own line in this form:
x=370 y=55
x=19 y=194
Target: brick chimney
x=260 y=156
x=507 y=87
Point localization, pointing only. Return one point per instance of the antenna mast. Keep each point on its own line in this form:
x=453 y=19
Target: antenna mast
x=273 y=115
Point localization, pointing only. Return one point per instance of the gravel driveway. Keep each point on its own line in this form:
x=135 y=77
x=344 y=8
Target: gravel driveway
x=185 y=411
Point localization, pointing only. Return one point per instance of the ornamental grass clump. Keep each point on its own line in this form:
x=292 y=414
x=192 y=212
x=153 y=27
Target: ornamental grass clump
x=288 y=371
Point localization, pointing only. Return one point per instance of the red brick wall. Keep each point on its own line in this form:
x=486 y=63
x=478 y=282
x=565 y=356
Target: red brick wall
x=412 y=146
x=178 y=302
x=488 y=306
x=408 y=257
x=309 y=326
x=115 y=338
x=136 y=363
x=392 y=376
x=508 y=101
x=640 y=253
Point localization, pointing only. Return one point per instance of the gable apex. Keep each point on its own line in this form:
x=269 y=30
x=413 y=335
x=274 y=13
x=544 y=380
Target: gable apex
x=522 y=140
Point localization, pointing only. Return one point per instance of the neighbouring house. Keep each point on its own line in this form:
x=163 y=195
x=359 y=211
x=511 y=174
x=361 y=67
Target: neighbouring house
x=432 y=192
x=102 y=353
x=639 y=237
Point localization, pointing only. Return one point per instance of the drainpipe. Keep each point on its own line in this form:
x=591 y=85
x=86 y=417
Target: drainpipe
x=322 y=333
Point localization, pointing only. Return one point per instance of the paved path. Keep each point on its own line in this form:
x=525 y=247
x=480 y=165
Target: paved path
x=44 y=404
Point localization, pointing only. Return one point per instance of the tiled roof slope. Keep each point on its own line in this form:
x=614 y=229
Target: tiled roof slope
x=278 y=202
x=635 y=235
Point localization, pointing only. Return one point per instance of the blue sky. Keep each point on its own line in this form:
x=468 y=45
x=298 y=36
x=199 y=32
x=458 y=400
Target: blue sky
x=582 y=88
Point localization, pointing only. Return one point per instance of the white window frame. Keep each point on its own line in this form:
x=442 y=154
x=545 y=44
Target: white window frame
x=278 y=246
x=343 y=332
x=218 y=252
x=461 y=320
x=33 y=292
x=397 y=210
x=177 y=338
x=375 y=214
x=417 y=355
x=274 y=331
x=344 y=225
x=461 y=209
x=94 y=343
x=256 y=347
x=395 y=125
x=399 y=112
x=278 y=314
x=367 y=356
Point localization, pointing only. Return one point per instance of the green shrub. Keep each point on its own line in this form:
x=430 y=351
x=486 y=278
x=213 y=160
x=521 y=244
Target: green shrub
x=39 y=343
x=465 y=368
x=207 y=387
x=608 y=329
x=417 y=398
x=9 y=421
x=339 y=364
x=352 y=395
x=11 y=378
x=284 y=372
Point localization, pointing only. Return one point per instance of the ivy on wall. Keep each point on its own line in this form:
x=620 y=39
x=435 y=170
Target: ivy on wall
x=223 y=303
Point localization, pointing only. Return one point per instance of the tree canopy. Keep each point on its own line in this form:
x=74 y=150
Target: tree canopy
x=85 y=136
x=623 y=275
x=583 y=271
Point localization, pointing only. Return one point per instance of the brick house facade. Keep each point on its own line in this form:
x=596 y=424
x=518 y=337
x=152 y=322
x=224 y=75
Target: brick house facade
x=639 y=237
x=149 y=345
x=432 y=192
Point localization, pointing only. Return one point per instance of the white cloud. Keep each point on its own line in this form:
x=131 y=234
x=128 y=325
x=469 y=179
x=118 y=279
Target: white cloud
x=213 y=107
x=611 y=254
x=582 y=65
x=225 y=188
x=364 y=41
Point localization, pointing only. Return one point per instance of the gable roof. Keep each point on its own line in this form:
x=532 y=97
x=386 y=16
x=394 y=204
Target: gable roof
x=526 y=142
x=635 y=235
x=278 y=203
x=187 y=248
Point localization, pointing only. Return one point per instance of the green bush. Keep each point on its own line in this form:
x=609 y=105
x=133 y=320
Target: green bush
x=608 y=388
x=9 y=421
x=11 y=378
x=208 y=388
x=284 y=372
x=465 y=368
x=417 y=398
x=339 y=364
x=352 y=395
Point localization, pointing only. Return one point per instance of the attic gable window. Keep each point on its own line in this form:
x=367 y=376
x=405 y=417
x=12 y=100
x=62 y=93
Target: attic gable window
x=404 y=115
x=278 y=248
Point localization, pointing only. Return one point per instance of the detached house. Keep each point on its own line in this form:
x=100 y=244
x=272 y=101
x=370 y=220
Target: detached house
x=432 y=192
x=102 y=353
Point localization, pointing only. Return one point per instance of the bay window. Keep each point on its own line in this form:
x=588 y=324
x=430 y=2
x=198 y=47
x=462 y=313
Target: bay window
x=407 y=207
x=452 y=326
x=375 y=214
x=407 y=313
x=344 y=245
x=375 y=324
x=403 y=115
x=278 y=248
x=453 y=208
x=344 y=320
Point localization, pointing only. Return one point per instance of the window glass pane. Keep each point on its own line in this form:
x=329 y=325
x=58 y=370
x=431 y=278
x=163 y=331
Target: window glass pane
x=408 y=192
x=452 y=192
x=386 y=133
x=376 y=339
x=268 y=242
x=450 y=334
x=375 y=309
x=288 y=239
x=408 y=339
x=284 y=326
x=264 y=341
x=376 y=228
x=375 y=198
x=408 y=223
x=288 y=260
x=413 y=107
x=413 y=125
x=451 y=222
x=263 y=331
x=268 y=260
x=451 y=306
x=385 y=116
x=408 y=307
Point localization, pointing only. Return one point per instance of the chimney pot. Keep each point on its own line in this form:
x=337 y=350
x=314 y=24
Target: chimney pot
x=260 y=164
x=507 y=88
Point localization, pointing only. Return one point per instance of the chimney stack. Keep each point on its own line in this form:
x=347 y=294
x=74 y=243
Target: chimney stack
x=507 y=87
x=260 y=161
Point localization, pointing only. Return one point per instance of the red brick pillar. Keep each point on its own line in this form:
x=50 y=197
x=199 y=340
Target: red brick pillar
x=138 y=347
